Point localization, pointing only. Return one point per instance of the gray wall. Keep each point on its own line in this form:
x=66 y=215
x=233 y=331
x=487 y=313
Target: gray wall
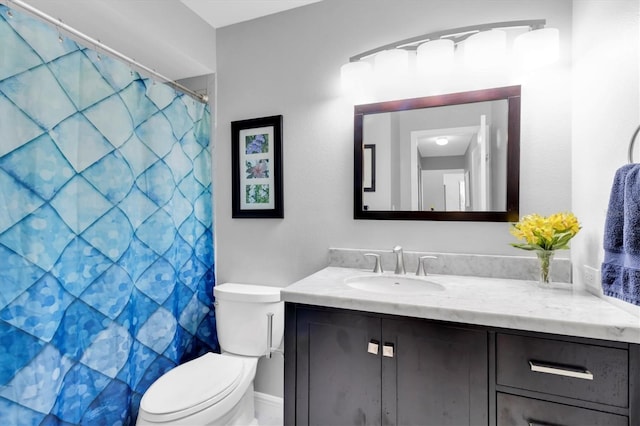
x=606 y=111
x=289 y=64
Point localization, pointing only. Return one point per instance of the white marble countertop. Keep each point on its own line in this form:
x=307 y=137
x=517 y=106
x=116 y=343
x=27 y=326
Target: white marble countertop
x=493 y=302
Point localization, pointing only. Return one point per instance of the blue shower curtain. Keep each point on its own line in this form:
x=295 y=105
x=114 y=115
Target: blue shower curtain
x=106 y=247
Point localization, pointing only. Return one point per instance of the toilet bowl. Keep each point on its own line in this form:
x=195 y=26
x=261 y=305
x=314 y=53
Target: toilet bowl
x=217 y=389
x=213 y=389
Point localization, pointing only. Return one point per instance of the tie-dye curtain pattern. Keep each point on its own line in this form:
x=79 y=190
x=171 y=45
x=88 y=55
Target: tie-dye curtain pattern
x=106 y=246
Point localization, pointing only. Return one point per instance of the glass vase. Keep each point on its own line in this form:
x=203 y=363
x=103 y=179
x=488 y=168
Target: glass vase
x=544 y=263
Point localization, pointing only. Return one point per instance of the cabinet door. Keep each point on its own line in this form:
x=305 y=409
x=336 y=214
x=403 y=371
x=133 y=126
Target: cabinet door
x=438 y=374
x=338 y=379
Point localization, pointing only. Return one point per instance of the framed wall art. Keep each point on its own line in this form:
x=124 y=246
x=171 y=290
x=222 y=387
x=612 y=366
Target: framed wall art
x=256 y=155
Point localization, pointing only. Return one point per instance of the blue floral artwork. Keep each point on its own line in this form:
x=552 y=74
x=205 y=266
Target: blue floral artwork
x=257 y=144
x=106 y=235
x=257 y=194
x=257 y=169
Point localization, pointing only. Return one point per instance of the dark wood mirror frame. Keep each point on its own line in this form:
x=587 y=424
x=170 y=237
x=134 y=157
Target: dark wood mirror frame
x=510 y=93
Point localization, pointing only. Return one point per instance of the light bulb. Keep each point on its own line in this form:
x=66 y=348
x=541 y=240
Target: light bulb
x=355 y=76
x=486 y=49
x=391 y=63
x=537 y=48
x=435 y=55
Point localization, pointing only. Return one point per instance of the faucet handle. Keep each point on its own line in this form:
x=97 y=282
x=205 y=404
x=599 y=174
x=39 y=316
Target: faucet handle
x=378 y=266
x=422 y=271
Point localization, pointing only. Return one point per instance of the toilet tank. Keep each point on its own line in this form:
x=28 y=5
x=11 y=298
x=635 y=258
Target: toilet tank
x=241 y=317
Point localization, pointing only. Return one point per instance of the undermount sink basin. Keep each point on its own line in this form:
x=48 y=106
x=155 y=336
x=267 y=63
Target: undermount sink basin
x=392 y=284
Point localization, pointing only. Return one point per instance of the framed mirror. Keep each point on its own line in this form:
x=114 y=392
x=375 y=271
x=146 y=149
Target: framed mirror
x=447 y=157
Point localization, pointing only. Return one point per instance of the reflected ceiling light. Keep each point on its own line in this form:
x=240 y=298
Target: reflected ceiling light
x=485 y=49
x=483 y=44
x=538 y=47
x=435 y=55
x=442 y=141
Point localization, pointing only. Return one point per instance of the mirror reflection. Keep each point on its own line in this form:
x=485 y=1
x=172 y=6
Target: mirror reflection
x=449 y=157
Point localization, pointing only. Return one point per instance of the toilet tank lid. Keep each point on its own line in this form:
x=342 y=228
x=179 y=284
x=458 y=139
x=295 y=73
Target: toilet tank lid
x=246 y=293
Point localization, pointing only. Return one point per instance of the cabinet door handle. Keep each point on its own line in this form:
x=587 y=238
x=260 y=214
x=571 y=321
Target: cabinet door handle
x=372 y=347
x=387 y=350
x=561 y=370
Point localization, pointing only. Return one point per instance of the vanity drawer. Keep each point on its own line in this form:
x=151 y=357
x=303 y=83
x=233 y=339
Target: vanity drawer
x=516 y=410
x=575 y=370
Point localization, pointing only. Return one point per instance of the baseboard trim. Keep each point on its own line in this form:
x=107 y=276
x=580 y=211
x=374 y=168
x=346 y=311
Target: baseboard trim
x=269 y=409
x=268 y=400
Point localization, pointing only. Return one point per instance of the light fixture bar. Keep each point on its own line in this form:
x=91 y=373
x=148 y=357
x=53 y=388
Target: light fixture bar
x=455 y=34
x=18 y=4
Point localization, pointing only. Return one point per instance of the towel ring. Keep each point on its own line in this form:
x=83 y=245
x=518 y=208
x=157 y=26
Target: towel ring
x=633 y=141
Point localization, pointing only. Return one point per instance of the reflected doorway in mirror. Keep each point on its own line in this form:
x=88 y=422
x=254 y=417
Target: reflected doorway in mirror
x=369 y=168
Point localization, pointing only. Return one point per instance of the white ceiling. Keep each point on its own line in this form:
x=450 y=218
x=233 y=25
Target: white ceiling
x=220 y=13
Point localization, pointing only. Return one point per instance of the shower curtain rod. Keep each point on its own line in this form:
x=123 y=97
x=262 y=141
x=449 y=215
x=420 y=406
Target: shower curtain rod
x=18 y=4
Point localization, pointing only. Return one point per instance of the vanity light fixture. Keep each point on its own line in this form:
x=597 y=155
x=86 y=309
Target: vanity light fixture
x=442 y=141
x=391 y=63
x=538 y=48
x=485 y=49
x=437 y=54
x=482 y=44
x=356 y=75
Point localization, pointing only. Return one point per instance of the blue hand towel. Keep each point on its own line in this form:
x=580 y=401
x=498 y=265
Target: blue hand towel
x=621 y=266
x=614 y=225
x=631 y=238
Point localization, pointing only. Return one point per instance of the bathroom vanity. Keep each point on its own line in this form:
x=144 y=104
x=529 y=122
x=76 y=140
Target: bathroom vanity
x=467 y=350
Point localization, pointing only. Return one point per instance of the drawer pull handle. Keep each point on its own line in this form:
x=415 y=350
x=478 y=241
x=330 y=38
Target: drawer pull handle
x=536 y=423
x=578 y=373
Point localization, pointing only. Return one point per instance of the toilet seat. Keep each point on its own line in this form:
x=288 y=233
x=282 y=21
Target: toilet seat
x=192 y=387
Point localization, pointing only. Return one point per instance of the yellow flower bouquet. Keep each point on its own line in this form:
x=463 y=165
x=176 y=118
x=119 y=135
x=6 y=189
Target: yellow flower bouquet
x=545 y=235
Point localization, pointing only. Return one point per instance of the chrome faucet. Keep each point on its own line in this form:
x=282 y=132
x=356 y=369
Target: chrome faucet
x=399 y=260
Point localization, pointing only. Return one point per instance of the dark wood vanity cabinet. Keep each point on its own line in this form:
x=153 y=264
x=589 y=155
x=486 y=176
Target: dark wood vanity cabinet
x=355 y=368
x=556 y=380
x=351 y=368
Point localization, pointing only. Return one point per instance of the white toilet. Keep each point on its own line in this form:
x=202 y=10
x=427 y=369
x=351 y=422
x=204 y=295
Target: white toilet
x=217 y=389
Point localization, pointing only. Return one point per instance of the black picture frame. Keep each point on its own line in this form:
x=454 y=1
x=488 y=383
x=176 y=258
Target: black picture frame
x=256 y=156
